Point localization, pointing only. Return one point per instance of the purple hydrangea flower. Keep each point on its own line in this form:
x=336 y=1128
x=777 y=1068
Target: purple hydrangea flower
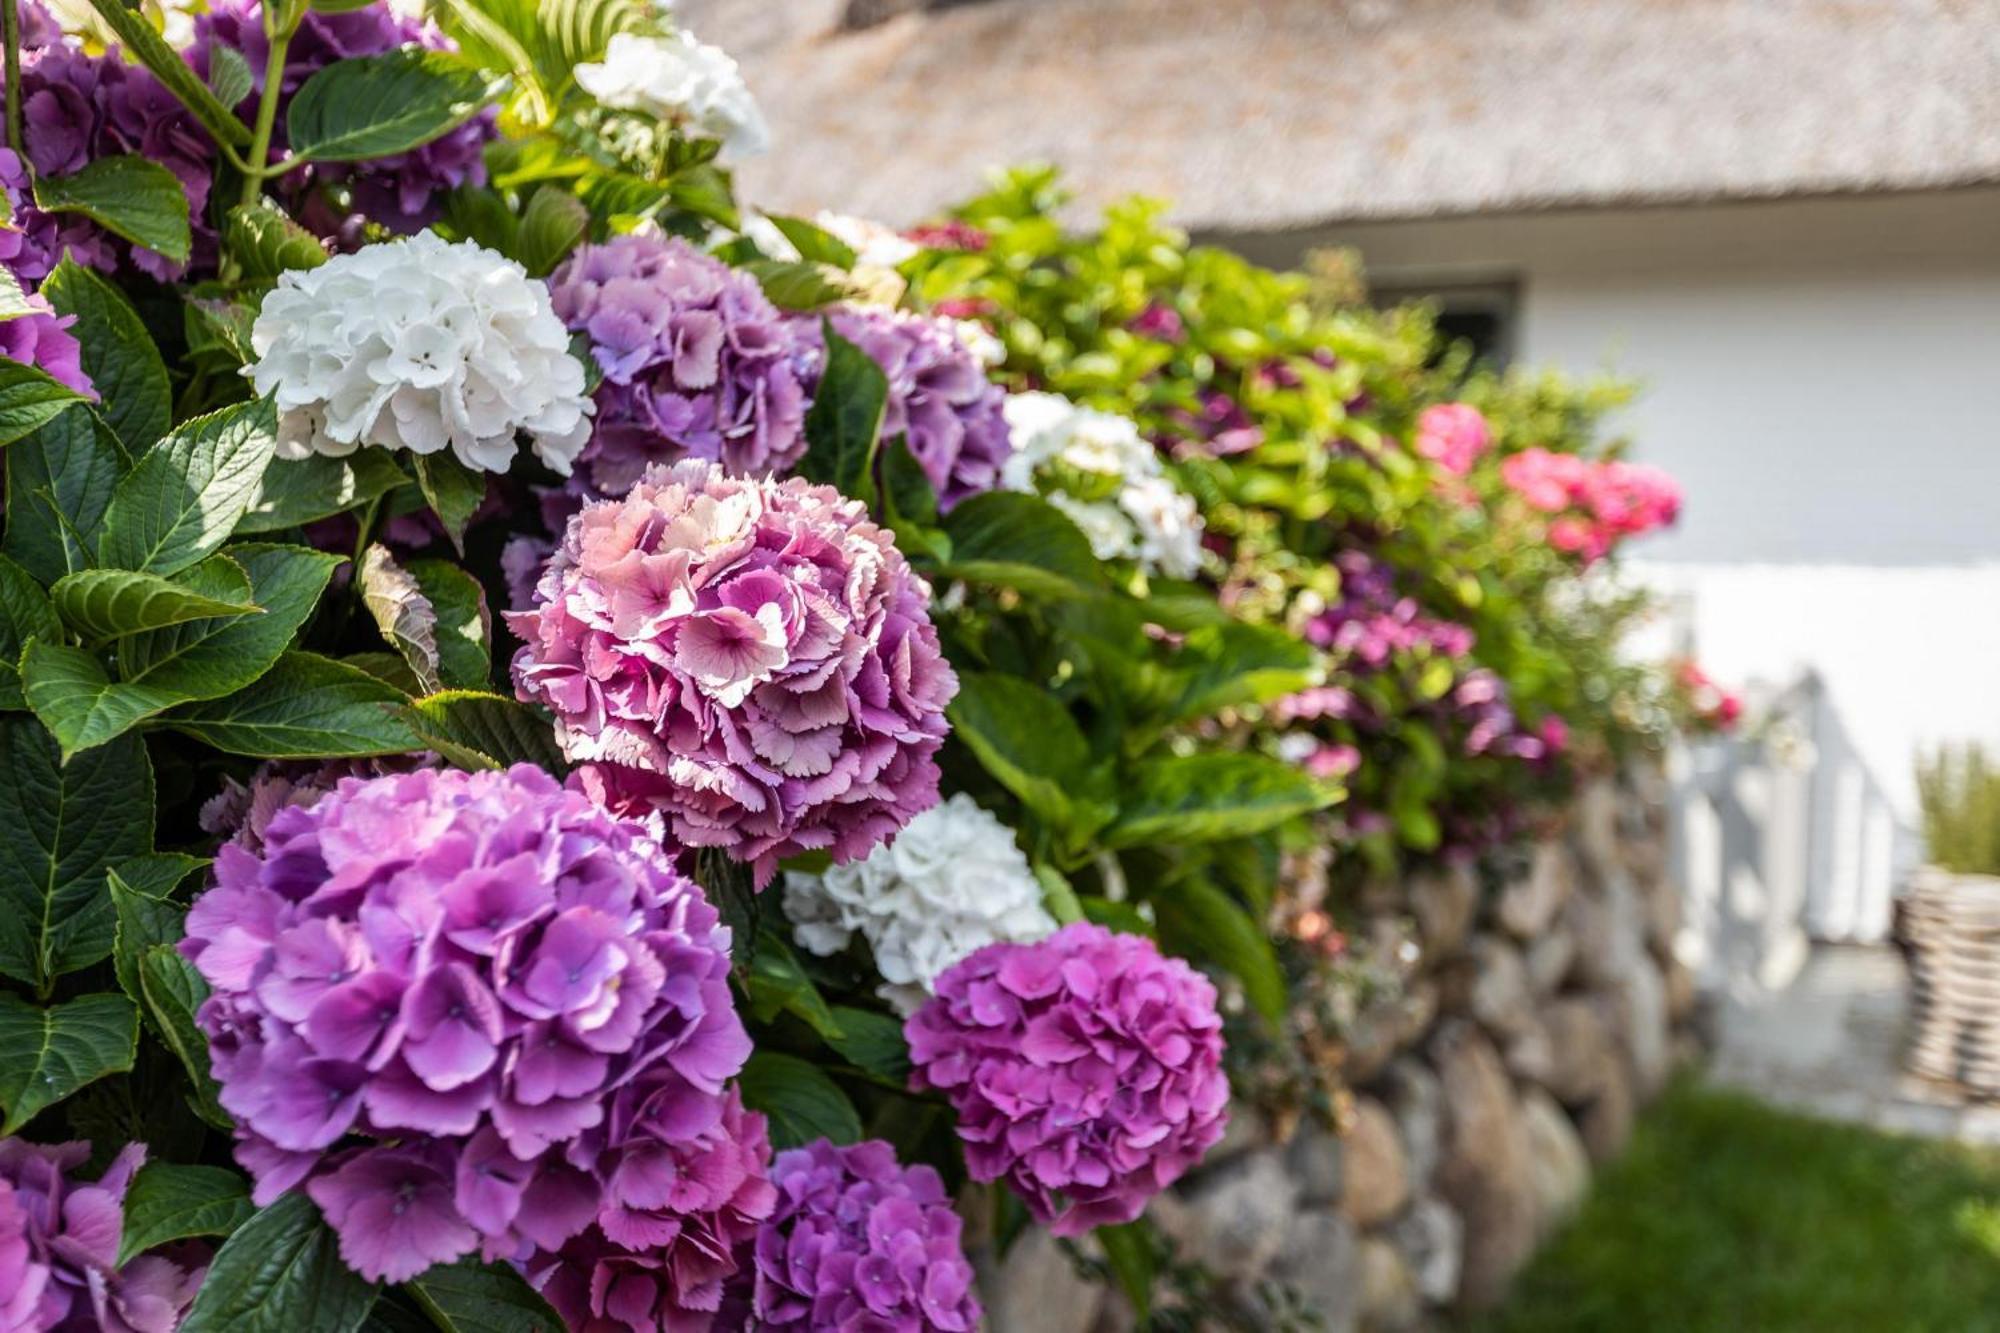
x=752 y=658
x=466 y=977
x=404 y=191
x=42 y=339
x=861 y=1244
x=59 y=1239
x=1086 y=1070
x=697 y=361
x=677 y=1214
x=940 y=400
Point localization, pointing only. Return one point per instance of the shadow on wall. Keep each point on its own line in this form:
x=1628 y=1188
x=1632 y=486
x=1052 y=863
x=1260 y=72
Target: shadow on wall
x=1780 y=839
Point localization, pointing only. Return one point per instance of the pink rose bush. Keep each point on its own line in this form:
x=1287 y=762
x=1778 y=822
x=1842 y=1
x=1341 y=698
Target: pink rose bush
x=474 y=1011
x=751 y=658
x=1085 y=1069
x=1593 y=505
x=59 y=1237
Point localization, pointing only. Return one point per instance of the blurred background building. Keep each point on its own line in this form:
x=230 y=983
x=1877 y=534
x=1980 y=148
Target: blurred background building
x=1781 y=217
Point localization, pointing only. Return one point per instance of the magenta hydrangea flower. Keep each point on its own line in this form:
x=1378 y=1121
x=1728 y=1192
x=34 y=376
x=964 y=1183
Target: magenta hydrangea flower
x=403 y=191
x=676 y=1215
x=59 y=1239
x=467 y=977
x=697 y=362
x=859 y=1243
x=752 y=658
x=1086 y=1070
x=940 y=401
x=1453 y=435
x=42 y=339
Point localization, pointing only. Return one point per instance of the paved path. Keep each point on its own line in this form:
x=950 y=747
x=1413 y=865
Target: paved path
x=1831 y=1044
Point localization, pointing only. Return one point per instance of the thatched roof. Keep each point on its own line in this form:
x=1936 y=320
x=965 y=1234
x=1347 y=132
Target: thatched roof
x=1272 y=113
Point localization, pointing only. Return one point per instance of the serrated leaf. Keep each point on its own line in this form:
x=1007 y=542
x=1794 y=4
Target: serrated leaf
x=61 y=827
x=1207 y=797
x=265 y=242
x=167 y=1202
x=1025 y=738
x=204 y=659
x=102 y=604
x=128 y=196
x=552 y=225
x=294 y=493
x=229 y=76
x=182 y=499
x=119 y=355
x=217 y=325
x=464 y=624
x=476 y=730
x=471 y=1297
x=844 y=423
x=280 y=1272
x=29 y=399
x=800 y=1101
x=59 y=482
x=1020 y=541
x=376 y=106
x=401 y=612
x=814 y=243
x=146 y=915
x=1198 y=920
x=80 y=705
x=25 y=613
x=305 y=707
x=173 y=991
x=47 y=1054
x=452 y=490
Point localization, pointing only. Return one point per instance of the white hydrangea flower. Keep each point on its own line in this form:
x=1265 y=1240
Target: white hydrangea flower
x=422 y=345
x=952 y=882
x=984 y=344
x=678 y=78
x=1098 y=469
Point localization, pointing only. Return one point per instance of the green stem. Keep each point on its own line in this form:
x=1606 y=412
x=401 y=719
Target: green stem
x=267 y=114
x=10 y=32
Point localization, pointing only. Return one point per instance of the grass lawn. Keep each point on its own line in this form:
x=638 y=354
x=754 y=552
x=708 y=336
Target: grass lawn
x=1728 y=1217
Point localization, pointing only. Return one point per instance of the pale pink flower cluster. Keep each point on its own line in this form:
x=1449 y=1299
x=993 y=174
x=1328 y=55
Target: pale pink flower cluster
x=1595 y=504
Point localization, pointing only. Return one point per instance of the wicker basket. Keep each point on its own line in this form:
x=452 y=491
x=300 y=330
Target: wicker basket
x=1952 y=926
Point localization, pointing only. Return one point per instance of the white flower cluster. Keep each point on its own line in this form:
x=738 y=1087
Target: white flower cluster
x=679 y=79
x=952 y=882
x=420 y=344
x=1095 y=467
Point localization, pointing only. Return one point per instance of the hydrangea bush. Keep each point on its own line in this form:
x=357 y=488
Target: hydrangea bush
x=873 y=822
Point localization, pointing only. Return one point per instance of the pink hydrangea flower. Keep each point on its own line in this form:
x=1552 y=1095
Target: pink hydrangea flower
x=752 y=658
x=1593 y=505
x=1453 y=435
x=43 y=340
x=59 y=1239
x=1086 y=1070
x=446 y=1001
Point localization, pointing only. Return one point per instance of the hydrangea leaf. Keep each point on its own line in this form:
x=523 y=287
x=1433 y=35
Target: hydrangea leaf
x=229 y=76
x=1028 y=741
x=799 y=284
x=82 y=706
x=204 y=659
x=800 y=1101
x=61 y=827
x=267 y=243
x=182 y=499
x=1233 y=664
x=552 y=225
x=813 y=242
x=173 y=991
x=47 y=1054
x=129 y=196
x=1208 y=797
x=401 y=611
x=119 y=355
x=476 y=730
x=873 y=1042
x=375 y=106
x=1023 y=542
x=452 y=490
x=295 y=492
x=1198 y=920
x=464 y=623
x=305 y=707
x=471 y=1297
x=779 y=983
x=25 y=613
x=280 y=1272
x=146 y=915
x=29 y=399
x=59 y=483
x=102 y=604
x=168 y=1202
x=845 y=420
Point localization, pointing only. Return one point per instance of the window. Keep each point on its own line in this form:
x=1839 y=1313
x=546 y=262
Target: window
x=1480 y=313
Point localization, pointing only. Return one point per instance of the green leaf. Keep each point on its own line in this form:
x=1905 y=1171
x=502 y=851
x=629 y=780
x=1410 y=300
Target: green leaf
x=266 y=243
x=103 y=604
x=845 y=420
x=376 y=106
x=215 y=325
x=779 y=984
x=69 y=691
x=401 y=611
x=280 y=1272
x=29 y=399
x=128 y=196
x=475 y=730
x=47 y=1054
x=205 y=659
x=464 y=624
x=906 y=487
x=146 y=916
x=815 y=244
x=186 y=493
x=552 y=225
x=1198 y=920
x=801 y=1102
x=1130 y=1256
x=1020 y=541
x=25 y=613
x=59 y=483
x=872 y=1042
x=61 y=827
x=142 y=42
x=174 y=991
x=1209 y=797
x=799 y=284
x=305 y=707
x=294 y=493
x=452 y=490
x=119 y=355
x=471 y=1297
x=1237 y=664
x=167 y=1202
x=13 y=297
x=1027 y=740
x=229 y=76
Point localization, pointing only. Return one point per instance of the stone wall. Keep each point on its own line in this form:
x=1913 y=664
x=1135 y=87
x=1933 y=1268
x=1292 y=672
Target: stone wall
x=1545 y=1008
